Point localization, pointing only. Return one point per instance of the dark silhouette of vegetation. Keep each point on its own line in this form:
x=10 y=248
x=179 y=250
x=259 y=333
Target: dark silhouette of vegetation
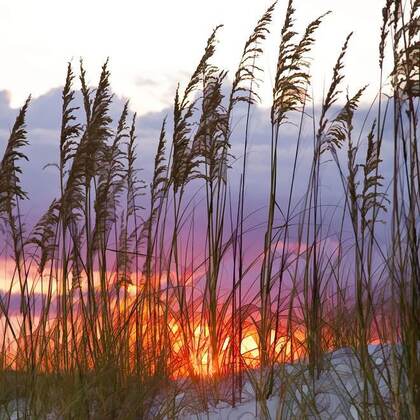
x=131 y=325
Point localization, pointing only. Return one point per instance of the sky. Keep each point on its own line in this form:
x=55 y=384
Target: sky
x=153 y=45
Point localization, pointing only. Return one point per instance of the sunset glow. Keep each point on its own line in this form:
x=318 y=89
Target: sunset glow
x=209 y=209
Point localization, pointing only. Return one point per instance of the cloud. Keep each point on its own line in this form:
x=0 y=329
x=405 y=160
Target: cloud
x=145 y=81
x=43 y=124
x=14 y=302
x=6 y=112
x=43 y=127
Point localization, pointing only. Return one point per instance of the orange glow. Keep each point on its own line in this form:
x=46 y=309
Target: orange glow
x=193 y=353
x=156 y=321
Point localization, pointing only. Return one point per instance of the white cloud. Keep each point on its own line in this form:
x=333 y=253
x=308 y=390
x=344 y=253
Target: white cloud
x=162 y=41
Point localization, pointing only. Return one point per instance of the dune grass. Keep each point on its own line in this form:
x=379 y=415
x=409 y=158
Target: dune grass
x=139 y=316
